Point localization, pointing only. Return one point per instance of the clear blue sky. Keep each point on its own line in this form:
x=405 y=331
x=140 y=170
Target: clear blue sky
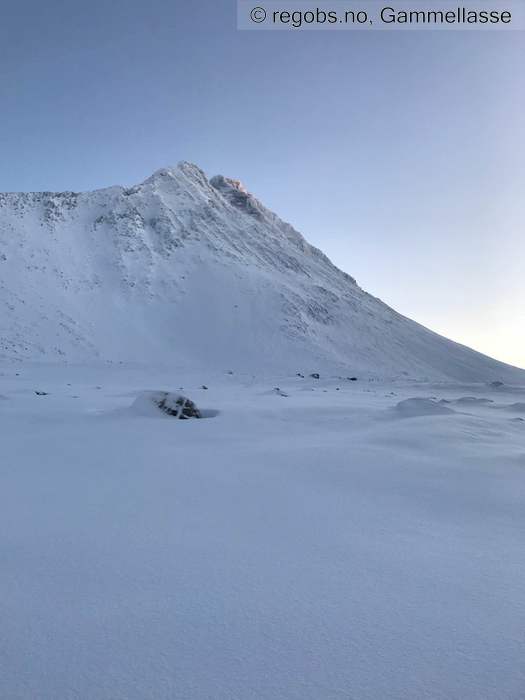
x=400 y=154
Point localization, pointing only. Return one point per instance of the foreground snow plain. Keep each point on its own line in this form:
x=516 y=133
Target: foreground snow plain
x=320 y=545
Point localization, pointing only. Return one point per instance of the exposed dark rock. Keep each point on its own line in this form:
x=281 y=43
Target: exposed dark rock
x=176 y=405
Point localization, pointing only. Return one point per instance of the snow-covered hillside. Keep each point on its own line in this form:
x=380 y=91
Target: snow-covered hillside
x=197 y=272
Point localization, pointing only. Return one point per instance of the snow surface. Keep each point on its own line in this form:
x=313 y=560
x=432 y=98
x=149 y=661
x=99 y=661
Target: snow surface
x=321 y=544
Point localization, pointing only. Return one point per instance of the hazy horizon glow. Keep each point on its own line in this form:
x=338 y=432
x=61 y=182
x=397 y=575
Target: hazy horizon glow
x=400 y=155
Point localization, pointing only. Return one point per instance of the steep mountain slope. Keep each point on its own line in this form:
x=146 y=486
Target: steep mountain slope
x=187 y=270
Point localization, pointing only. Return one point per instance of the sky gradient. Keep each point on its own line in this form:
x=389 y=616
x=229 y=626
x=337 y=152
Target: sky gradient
x=400 y=154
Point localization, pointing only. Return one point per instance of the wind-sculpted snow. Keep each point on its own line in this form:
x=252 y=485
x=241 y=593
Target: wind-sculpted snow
x=418 y=406
x=198 y=272
x=309 y=543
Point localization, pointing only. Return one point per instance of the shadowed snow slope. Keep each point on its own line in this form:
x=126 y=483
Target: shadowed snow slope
x=197 y=271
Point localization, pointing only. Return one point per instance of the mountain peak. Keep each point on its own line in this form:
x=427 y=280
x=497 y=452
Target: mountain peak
x=183 y=170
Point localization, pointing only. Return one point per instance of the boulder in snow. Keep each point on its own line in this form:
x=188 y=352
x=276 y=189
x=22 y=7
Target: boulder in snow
x=172 y=404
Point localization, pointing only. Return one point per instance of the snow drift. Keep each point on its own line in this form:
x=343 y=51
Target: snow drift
x=186 y=270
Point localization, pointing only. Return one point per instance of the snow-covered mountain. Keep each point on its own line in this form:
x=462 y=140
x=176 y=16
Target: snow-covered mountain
x=186 y=270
